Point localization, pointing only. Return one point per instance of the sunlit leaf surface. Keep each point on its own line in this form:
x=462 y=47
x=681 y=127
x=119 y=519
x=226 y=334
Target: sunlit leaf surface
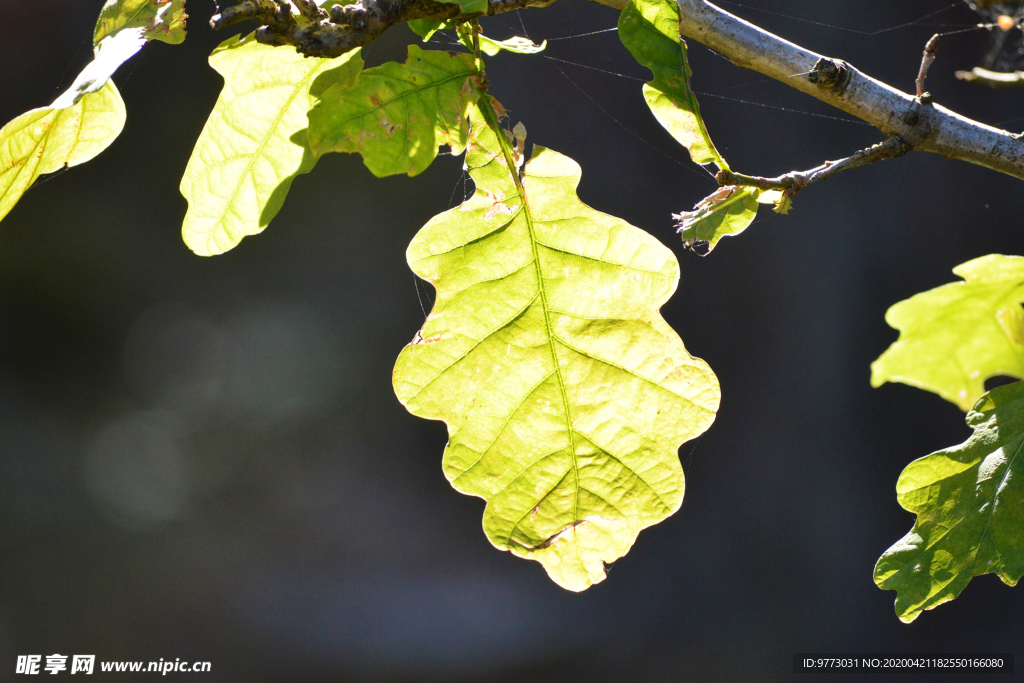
x=254 y=143
x=565 y=392
x=954 y=337
x=969 y=502
x=397 y=115
x=726 y=212
x=47 y=139
x=517 y=44
x=90 y=114
x=162 y=20
x=123 y=27
x=650 y=30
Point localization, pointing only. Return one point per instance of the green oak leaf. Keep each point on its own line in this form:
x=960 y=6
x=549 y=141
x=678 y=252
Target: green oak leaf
x=954 y=337
x=123 y=27
x=650 y=31
x=516 y=44
x=47 y=139
x=254 y=143
x=491 y=47
x=565 y=392
x=969 y=502
x=469 y=6
x=426 y=28
x=162 y=20
x=397 y=115
x=726 y=212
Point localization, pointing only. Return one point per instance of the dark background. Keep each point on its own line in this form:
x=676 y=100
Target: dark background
x=202 y=458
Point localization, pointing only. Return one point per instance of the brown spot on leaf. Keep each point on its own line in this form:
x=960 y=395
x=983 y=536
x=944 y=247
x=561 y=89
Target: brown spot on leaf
x=432 y=339
x=388 y=127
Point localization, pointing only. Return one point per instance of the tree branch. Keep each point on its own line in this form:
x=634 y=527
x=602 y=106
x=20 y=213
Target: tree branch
x=928 y=127
x=993 y=79
x=925 y=126
x=347 y=27
x=795 y=181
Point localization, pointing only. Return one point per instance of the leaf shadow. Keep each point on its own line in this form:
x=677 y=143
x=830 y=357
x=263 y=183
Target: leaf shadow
x=276 y=199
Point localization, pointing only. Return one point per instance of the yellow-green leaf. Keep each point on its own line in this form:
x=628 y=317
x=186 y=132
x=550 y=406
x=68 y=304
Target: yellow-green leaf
x=47 y=139
x=123 y=27
x=727 y=211
x=565 y=392
x=516 y=44
x=469 y=6
x=90 y=114
x=426 y=28
x=162 y=20
x=969 y=502
x=397 y=115
x=254 y=143
x=650 y=30
x=954 y=337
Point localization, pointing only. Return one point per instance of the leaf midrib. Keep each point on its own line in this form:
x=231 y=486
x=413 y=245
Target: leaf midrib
x=435 y=85
x=513 y=171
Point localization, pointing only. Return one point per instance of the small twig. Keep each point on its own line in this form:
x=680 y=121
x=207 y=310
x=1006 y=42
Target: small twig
x=993 y=79
x=793 y=182
x=266 y=11
x=310 y=10
x=927 y=59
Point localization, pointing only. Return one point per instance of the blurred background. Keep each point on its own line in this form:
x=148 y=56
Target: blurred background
x=202 y=458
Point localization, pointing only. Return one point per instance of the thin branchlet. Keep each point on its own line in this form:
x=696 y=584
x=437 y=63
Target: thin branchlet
x=931 y=49
x=993 y=79
x=794 y=181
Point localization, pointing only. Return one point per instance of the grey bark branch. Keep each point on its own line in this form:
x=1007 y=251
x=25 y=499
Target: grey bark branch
x=795 y=181
x=926 y=126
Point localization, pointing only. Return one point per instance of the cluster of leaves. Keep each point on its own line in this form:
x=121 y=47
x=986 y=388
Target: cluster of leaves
x=565 y=392
x=969 y=499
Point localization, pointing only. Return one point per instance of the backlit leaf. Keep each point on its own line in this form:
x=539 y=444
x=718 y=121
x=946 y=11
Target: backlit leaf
x=565 y=392
x=969 y=502
x=162 y=20
x=650 y=31
x=90 y=114
x=469 y=6
x=728 y=211
x=254 y=144
x=47 y=139
x=954 y=337
x=123 y=27
x=517 y=44
x=491 y=47
x=397 y=115
x=426 y=28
